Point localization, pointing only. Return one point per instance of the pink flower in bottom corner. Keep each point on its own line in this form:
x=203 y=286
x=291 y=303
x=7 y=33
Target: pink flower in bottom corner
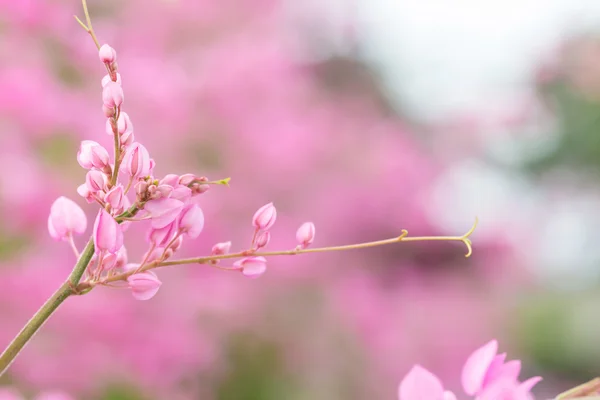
x=487 y=375
x=420 y=384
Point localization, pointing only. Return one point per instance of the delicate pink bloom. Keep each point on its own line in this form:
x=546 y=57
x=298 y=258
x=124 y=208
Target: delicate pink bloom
x=182 y=193
x=171 y=180
x=262 y=239
x=92 y=155
x=124 y=124
x=108 y=235
x=112 y=95
x=187 y=179
x=252 y=267
x=191 y=221
x=161 y=237
x=220 y=248
x=95 y=181
x=161 y=191
x=305 y=235
x=115 y=197
x=107 y=54
x=84 y=192
x=420 y=384
x=486 y=373
x=163 y=211
x=136 y=161
x=66 y=218
x=144 y=285
x=107 y=79
x=265 y=217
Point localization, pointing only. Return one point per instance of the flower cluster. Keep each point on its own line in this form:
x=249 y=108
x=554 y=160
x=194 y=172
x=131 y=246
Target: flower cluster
x=486 y=376
x=169 y=203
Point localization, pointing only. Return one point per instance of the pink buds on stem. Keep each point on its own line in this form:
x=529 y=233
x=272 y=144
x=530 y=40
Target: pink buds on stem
x=265 y=217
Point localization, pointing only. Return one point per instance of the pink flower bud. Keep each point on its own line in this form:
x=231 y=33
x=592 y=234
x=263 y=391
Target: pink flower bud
x=163 y=211
x=171 y=180
x=107 y=79
x=144 y=285
x=136 y=161
x=161 y=237
x=252 y=267
x=92 y=155
x=66 y=218
x=162 y=191
x=265 y=217
x=124 y=124
x=112 y=95
x=107 y=54
x=220 y=248
x=85 y=193
x=95 y=181
x=187 y=179
x=191 y=221
x=127 y=139
x=115 y=197
x=262 y=239
x=108 y=235
x=198 y=188
x=305 y=234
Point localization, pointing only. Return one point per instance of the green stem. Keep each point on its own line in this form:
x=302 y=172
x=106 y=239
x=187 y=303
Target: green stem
x=42 y=315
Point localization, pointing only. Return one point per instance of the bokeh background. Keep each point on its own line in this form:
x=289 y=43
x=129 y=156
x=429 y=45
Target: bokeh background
x=365 y=117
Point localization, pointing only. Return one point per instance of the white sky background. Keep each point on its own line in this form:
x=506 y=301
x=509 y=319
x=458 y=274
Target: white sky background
x=440 y=58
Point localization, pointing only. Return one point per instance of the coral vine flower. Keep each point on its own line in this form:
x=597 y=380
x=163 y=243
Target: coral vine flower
x=66 y=218
x=108 y=235
x=485 y=375
x=252 y=267
x=265 y=217
x=191 y=221
x=144 y=285
x=305 y=235
x=136 y=161
x=163 y=211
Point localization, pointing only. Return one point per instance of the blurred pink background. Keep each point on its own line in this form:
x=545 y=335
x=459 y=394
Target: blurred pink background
x=342 y=114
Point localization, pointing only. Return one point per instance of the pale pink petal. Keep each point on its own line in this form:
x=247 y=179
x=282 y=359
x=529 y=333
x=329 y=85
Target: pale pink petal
x=477 y=366
x=420 y=384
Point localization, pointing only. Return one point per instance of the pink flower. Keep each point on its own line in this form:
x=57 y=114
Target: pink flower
x=108 y=235
x=124 y=124
x=252 y=267
x=191 y=221
x=95 y=181
x=92 y=155
x=305 y=234
x=136 y=161
x=162 y=236
x=262 y=239
x=486 y=370
x=220 y=248
x=107 y=54
x=144 y=285
x=112 y=95
x=420 y=384
x=163 y=211
x=115 y=197
x=265 y=217
x=66 y=218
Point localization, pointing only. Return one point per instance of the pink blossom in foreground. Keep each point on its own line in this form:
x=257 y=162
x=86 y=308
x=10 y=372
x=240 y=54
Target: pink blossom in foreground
x=252 y=267
x=265 y=217
x=144 y=285
x=163 y=211
x=66 y=218
x=191 y=221
x=108 y=235
x=305 y=235
x=485 y=375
